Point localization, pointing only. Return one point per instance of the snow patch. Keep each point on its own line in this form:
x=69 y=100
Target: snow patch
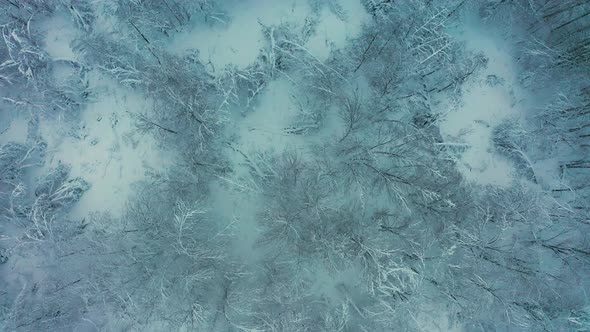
x=60 y=32
x=486 y=102
x=239 y=42
x=238 y=211
x=334 y=29
x=13 y=129
x=104 y=149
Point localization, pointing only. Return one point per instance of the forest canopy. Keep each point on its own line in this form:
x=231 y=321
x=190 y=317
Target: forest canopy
x=297 y=165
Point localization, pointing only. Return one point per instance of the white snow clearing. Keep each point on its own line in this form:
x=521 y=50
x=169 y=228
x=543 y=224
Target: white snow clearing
x=488 y=99
x=106 y=149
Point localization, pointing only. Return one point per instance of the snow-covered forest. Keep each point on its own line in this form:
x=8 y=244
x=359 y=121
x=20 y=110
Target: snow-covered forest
x=294 y=165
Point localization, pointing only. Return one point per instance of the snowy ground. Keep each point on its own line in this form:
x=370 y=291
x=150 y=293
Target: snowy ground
x=238 y=41
x=490 y=98
x=13 y=128
x=60 y=32
x=106 y=149
x=102 y=144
